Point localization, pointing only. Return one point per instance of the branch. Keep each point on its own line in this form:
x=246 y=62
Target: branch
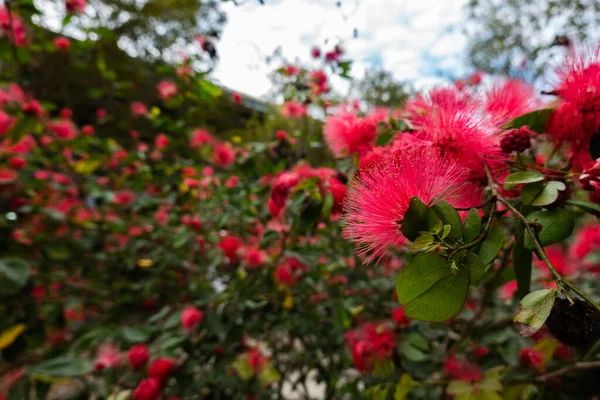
x=579 y=366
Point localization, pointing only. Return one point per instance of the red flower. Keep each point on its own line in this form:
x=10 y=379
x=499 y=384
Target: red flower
x=224 y=155
x=461 y=370
x=480 y=351
x=18 y=162
x=232 y=181
x=138 y=109
x=284 y=275
x=315 y=52
x=577 y=119
x=230 y=246
x=88 y=130
x=237 y=98
x=292 y=109
x=254 y=257
x=532 y=358
x=199 y=137
x=511 y=98
x=378 y=198
x=63 y=129
x=256 y=360
x=124 y=197
x=590 y=179
x=161 y=368
x=166 y=89
x=75 y=6
x=161 y=141
x=400 y=318
x=108 y=356
x=191 y=317
x=138 y=356
x=148 y=389
x=371 y=343
x=62 y=44
x=347 y=134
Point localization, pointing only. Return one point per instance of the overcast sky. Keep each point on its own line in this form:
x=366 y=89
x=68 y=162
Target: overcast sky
x=417 y=40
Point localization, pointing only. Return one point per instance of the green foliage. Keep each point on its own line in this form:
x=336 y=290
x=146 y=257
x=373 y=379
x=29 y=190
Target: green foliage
x=430 y=289
x=533 y=311
x=556 y=225
x=536 y=120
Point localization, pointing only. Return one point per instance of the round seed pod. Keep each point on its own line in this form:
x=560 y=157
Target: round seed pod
x=576 y=325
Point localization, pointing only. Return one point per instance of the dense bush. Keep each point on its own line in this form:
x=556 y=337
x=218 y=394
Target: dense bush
x=145 y=257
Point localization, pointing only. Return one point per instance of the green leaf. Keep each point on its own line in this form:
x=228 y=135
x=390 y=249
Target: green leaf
x=521 y=178
x=268 y=376
x=533 y=311
x=418 y=218
x=541 y=194
x=472 y=226
x=14 y=274
x=243 y=368
x=449 y=216
x=586 y=206
x=441 y=301
x=65 y=366
x=536 y=120
x=475 y=266
x=557 y=225
x=491 y=245
x=404 y=387
x=327 y=205
x=522 y=265
x=135 y=335
x=420 y=275
x=459 y=387
x=384 y=138
x=209 y=88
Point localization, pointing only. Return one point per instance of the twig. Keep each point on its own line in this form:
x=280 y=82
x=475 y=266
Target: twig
x=579 y=366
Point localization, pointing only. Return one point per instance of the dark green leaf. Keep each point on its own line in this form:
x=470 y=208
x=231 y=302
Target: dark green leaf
x=491 y=245
x=418 y=218
x=419 y=275
x=14 y=274
x=384 y=138
x=556 y=224
x=65 y=366
x=441 y=301
x=472 y=226
x=522 y=265
x=475 y=267
x=533 y=311
x=536 y=120
x=135 y=335
x=586 y=206
x=449 y=216
x=542 y=194
x=522 y=177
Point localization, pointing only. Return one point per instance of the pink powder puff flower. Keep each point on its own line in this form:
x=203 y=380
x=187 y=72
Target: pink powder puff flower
x=378 y=199
x=510 y=98
x=166 y=89
x=108 y=356
x=292 y=108
x=347 y=134
x=577 y=118
x=455 y=125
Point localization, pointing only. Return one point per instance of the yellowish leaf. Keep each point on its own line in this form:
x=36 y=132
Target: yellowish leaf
x=10 y=335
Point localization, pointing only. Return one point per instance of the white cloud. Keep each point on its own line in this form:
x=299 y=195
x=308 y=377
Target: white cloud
x=407 y=37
